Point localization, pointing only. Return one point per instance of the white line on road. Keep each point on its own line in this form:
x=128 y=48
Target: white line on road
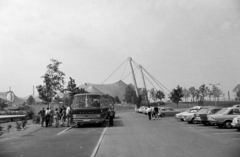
x=220 y=133
x=66 y=129
x=98 y=144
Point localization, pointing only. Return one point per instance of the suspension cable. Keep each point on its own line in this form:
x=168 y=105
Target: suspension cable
x=129 y=74
x=115 y=71
x=124 y=70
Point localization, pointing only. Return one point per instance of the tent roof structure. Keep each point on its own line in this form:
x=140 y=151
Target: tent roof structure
x=11 y=97
x=113 y=89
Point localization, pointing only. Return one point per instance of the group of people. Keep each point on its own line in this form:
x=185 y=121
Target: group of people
x=58 y=117
x=153 y=112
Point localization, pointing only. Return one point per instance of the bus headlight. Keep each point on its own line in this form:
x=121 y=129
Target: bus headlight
x=74 y=116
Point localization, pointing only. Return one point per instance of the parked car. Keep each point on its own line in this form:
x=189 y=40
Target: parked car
x=224 y=117
x=237 y=105
x=141 y=109
x=189 y=117
x=167 y=111
x=236 y=122
x=201 y=116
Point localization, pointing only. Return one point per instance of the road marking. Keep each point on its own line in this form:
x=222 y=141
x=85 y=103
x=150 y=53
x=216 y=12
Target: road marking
x=219 y=133
x=98 y=144
x=66 y=129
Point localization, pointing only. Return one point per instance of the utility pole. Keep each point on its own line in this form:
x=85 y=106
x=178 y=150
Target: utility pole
x=33 y=90
x=214 y=85
x=228 y=96
x=134 y=79
x=145 y=87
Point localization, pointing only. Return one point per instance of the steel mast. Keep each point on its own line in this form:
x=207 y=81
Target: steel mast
x=145 y=87
x=134 y=79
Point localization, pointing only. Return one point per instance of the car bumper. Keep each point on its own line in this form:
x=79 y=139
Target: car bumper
x=236 y=125
x=212 y=122
x=198 y=119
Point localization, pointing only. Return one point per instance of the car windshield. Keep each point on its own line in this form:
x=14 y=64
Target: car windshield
x=193 y=111
x=222 y=111
x=204 y=110
x=84 y=101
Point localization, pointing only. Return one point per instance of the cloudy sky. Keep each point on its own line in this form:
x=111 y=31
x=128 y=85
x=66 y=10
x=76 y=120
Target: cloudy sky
x=179 y=42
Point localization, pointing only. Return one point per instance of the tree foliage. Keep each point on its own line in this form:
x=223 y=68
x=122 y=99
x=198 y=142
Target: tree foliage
x=30 y=100
x=186 y=93
x=192 y=92
x=73 y=89
x=216 y=92
x=236 y=90
x=53 y=82
x=130 y=94
x=176 y=95
x=117 y=100
x=156 y=94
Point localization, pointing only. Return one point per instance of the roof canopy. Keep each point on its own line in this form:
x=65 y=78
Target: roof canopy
x=114 y=89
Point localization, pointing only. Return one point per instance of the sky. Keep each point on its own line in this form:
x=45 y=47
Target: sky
x=180 y=42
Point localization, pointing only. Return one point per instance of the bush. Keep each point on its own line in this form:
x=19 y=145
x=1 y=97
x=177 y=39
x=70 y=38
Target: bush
x=30 y=113
x=36 y=119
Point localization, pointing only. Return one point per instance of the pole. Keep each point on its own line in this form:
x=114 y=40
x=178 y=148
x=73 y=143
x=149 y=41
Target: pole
x=228 y=96
x=145 y=87
x=134 y=79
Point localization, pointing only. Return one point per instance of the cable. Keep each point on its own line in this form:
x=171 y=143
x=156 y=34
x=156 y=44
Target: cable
x=124 y=70
x=129 y=74
x=115 y=71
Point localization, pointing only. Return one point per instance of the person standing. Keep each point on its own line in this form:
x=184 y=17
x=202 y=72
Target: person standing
x=111 y=115
x=51 y=112
x=149 y=111
x=63 y=116
x=156 y=112
x=68 y=115
x=56 y=117
x=47 y=117
x=42 y=116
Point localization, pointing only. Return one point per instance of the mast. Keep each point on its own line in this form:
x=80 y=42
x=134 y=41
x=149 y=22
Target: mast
x=134 y=79
x=145 y=87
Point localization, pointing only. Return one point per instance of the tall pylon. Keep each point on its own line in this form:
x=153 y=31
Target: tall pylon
x=145 y=87
x=134 y=79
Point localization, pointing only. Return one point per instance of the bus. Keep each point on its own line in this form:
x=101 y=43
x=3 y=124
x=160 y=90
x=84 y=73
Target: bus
x=90 y=108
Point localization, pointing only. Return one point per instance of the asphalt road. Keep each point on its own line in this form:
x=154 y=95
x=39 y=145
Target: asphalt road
x=133 y=135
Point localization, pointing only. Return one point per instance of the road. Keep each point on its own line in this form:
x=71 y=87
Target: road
x=132 y=136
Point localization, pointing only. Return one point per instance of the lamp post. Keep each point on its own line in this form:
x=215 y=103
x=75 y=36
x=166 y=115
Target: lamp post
x=213 y=85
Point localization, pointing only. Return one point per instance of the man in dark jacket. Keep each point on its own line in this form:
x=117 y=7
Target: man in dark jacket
x=42 y=115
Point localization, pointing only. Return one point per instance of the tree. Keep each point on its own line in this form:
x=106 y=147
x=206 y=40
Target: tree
x=73 y=89
x=160 y=95
x=153 y=93
x=186 y=94
x=130 y=94
x=216 y=92
x=236 y=90
x=203 y=91
x=30 y=100
x=53 y=82
x=176 y=95
x=209 y=93
x=117 y=100
x=192 y=92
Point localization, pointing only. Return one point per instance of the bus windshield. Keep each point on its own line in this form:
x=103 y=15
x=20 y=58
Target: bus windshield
x=86 y=101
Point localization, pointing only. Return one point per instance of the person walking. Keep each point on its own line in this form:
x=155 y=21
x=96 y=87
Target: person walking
x=42 y=116
x=47 y=117
x=68 y=115
x=156 y=112
x=149 y=111
x=56 y=117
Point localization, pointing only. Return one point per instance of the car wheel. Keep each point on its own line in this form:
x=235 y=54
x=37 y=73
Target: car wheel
x=182 y=120
x=162 y=115
x=238 y=129
x=227 y=124
x=220 y=126
x=194 y=121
